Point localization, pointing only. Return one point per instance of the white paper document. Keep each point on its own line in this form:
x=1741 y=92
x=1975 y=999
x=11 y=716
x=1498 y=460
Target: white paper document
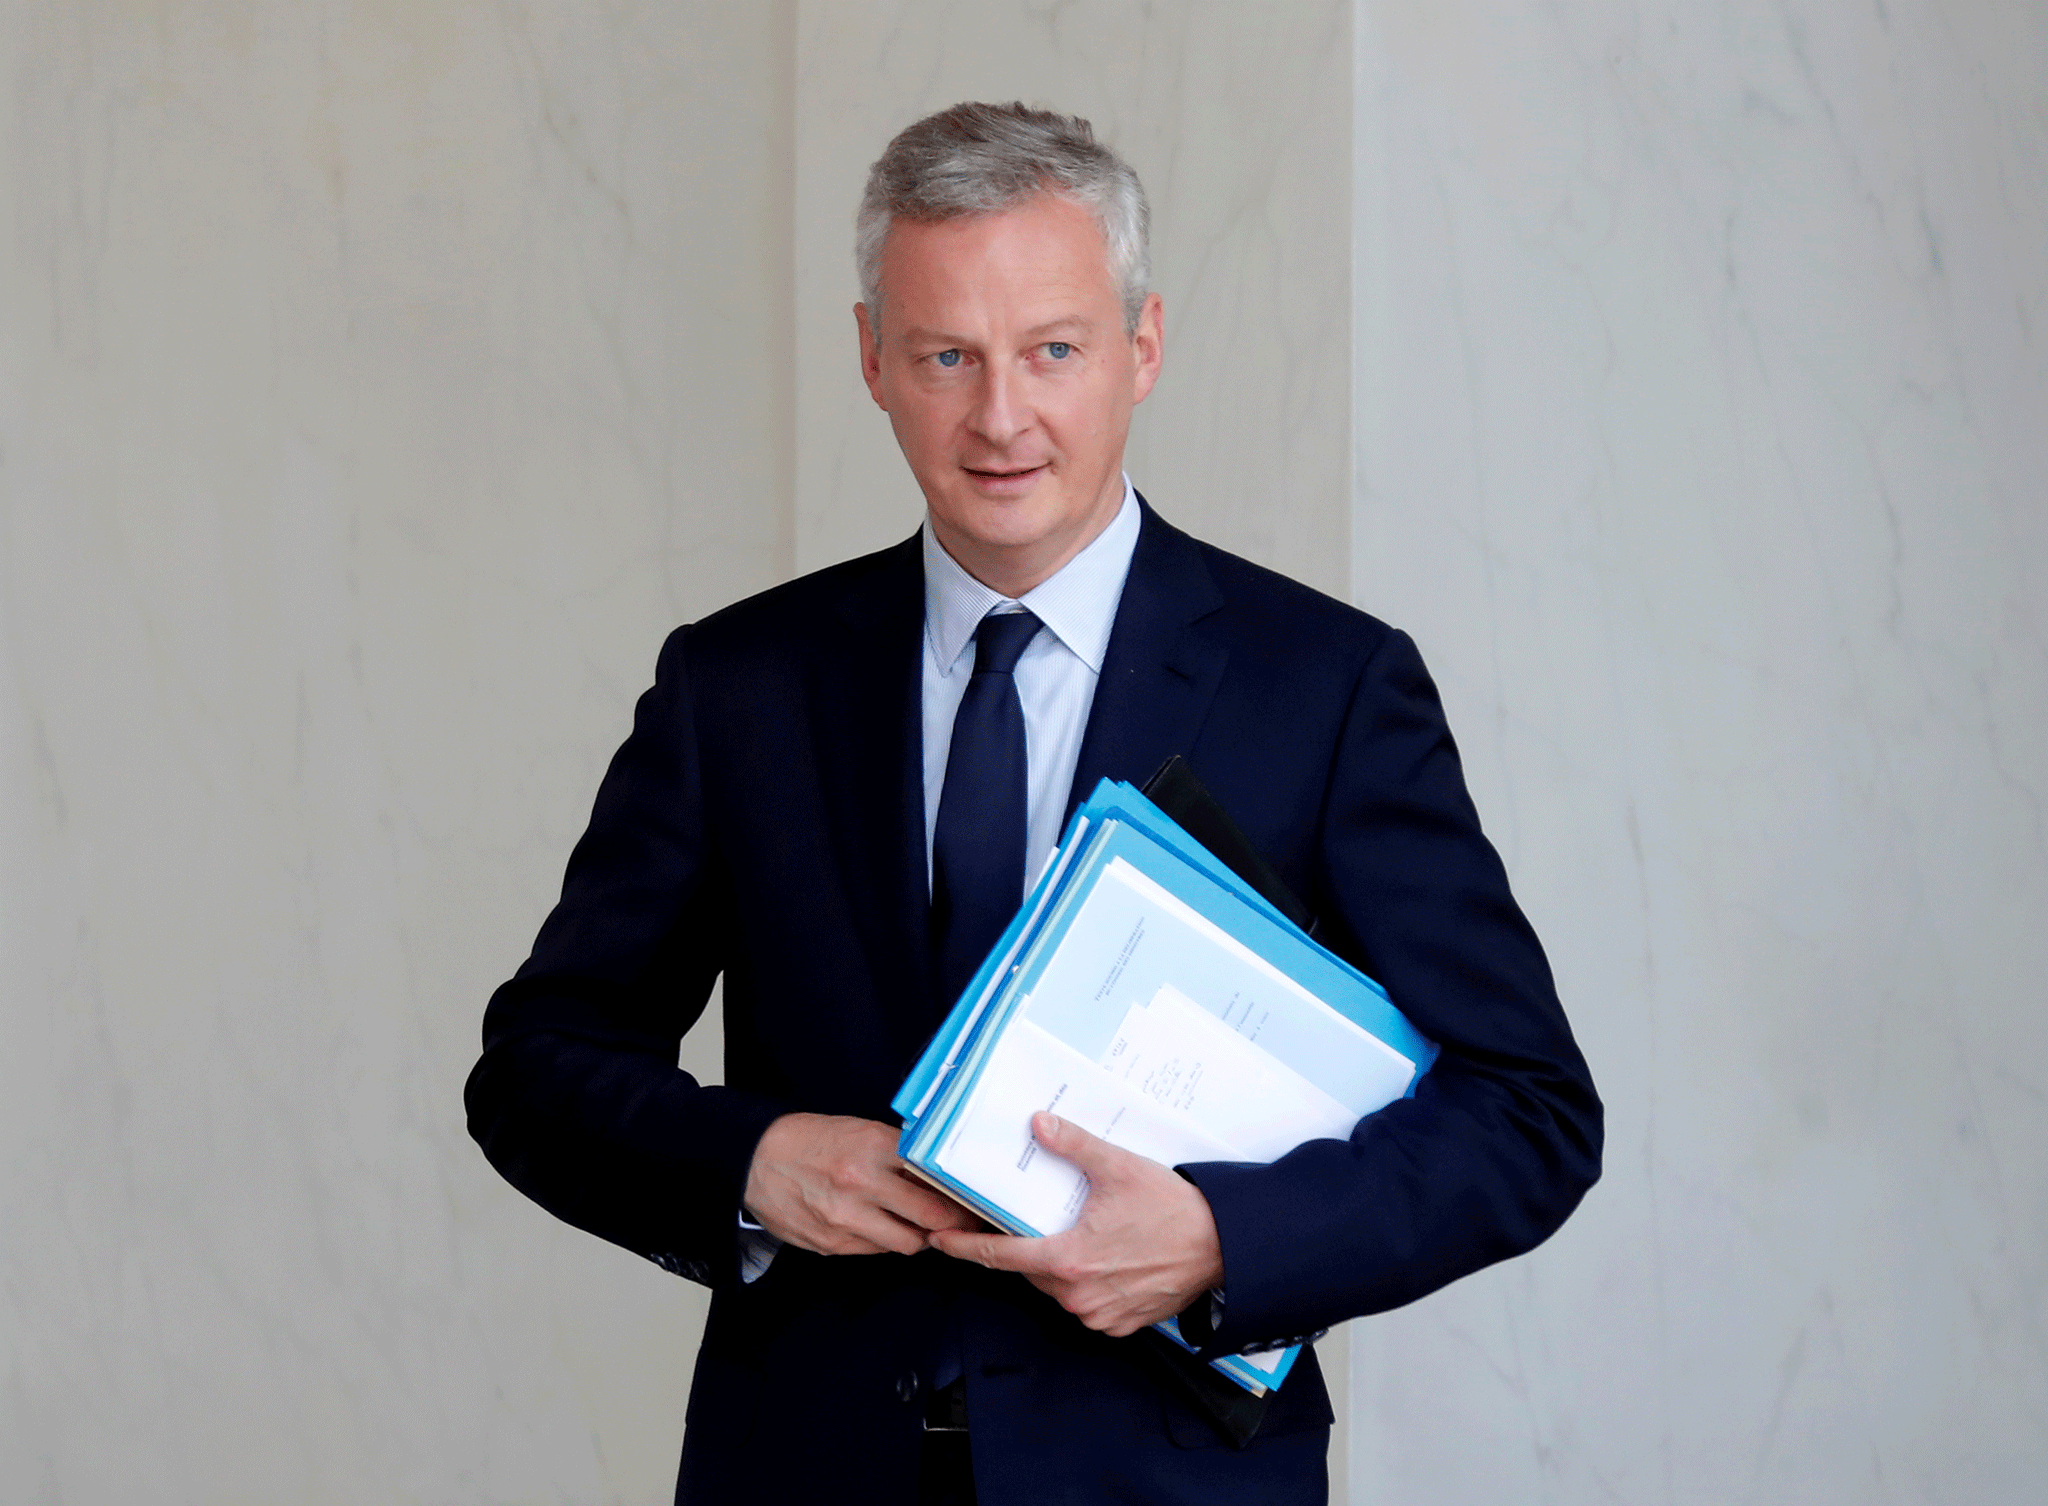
x=1183 y=1058
x=1175 y=1084
x=1131 y=938
x=992 y=1149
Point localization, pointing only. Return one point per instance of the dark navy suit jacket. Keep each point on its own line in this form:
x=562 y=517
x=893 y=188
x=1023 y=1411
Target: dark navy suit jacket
x=764 y=821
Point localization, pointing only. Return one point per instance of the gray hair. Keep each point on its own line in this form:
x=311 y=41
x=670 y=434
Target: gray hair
x=979 y=159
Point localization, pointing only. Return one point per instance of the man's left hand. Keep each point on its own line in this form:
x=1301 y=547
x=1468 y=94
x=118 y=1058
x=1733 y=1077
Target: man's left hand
x=1144 y=1248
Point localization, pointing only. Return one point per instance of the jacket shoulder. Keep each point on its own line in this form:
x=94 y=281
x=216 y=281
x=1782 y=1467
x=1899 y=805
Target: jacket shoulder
x=1260 y=606
x=803 y=612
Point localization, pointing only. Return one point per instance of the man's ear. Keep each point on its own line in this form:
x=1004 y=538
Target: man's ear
x=1149 y=341
x=870 y=355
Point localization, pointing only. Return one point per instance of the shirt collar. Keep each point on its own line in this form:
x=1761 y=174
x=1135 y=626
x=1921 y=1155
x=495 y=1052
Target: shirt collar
x=1078 y=602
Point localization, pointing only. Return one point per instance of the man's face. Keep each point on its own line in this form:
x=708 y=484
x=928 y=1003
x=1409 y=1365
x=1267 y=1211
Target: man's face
x=1005 y=370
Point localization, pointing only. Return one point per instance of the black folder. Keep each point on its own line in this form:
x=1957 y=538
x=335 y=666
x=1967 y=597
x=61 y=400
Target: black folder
x=1231 y=1410
x=1174 y=788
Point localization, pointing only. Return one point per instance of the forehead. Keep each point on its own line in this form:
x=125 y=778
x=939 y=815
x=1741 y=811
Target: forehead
x=1046 y=258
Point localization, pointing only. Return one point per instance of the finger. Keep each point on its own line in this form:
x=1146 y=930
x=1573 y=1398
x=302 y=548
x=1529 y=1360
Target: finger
x=1113 y=1314
x=826 y=1240
x=891 y=1233
x=860 y=1229
x=961 y=1245
x=999 y=1252
x=916 y=1203
x=957 y=1215
x=1070 y=1142
x=1092 y=1307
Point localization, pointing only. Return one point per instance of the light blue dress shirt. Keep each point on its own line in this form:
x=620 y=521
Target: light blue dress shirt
x=1055 y=683
x=1055 y=677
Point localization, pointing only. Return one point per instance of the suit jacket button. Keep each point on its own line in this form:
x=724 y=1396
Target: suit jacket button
x=906 y=1388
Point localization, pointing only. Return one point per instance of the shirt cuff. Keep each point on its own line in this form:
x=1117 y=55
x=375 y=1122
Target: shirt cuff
x=757 y=1250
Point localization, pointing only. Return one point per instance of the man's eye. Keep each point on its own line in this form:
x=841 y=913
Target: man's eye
x=1059 y=350
x=948 y=358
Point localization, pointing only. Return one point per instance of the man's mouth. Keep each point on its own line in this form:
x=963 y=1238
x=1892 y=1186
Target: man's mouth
x=1003 y=473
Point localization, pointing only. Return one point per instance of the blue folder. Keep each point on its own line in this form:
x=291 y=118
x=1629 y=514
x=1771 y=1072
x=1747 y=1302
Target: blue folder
x=1118 y=824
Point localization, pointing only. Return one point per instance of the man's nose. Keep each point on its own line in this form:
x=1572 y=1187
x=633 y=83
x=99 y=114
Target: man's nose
x=998 y=415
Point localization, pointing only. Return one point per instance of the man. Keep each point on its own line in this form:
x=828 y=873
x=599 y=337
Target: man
x=832 y=796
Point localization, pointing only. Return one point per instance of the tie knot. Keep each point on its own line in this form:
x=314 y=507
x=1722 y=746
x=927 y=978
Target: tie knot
x=1001 y=639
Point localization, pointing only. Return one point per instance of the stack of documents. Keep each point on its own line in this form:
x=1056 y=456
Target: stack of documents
x=1150 y=995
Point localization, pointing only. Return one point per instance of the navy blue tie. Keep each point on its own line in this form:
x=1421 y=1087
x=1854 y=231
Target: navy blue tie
x=978 y=840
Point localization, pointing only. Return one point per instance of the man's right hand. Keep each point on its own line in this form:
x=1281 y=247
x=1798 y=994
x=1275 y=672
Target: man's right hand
x=834 y=1185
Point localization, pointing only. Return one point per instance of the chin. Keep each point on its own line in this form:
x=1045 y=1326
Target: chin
x=1011 y=525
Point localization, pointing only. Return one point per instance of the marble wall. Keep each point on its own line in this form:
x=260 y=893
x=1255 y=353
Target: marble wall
x=1700 y=397
x=377 y=385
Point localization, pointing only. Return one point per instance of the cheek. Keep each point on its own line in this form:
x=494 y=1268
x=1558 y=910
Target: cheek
x=1085 y=412
x=920 y=423
x=934 y=407
x=1078 y=429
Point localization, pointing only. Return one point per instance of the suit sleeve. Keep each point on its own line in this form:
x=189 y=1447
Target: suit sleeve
x=577 y=1099
x=1502 y=1136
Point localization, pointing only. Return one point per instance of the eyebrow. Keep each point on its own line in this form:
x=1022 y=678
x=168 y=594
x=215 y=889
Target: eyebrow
x=1077 y=323
x=918 y=336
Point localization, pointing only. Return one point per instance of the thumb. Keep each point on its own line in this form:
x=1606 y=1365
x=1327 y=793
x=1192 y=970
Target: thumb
x=1068 y=1140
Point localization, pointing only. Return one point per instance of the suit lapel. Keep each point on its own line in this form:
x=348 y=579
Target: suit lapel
x=1159 y=673
x=866 y=699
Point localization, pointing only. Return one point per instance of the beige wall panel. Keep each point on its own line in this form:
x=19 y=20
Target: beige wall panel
x=378 y=383
x=1703 y=413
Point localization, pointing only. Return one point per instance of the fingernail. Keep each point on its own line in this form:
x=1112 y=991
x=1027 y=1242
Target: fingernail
x=1052 y=1124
